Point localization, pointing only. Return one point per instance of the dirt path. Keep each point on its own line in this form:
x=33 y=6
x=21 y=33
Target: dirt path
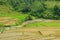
x=32 y=21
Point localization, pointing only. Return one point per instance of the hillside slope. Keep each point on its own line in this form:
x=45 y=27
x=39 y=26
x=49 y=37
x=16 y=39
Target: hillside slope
x=29 y=9
x=6 y=15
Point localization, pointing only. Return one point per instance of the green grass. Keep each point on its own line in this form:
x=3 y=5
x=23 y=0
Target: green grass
x=19 y=16
x=2 y=28
x=43 y=24
x=5 y=12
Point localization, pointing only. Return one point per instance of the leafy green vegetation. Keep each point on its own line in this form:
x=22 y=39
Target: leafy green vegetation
x=2 y=28
x=24 y=10
x=46 y=9
x=20 y=17
x=2 y=25
x=6 y=12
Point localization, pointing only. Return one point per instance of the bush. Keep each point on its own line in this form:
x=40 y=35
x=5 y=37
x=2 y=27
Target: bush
x=2 y=28
x=2 y=25
x=37 y=8
x=56 y=12
x=1 y=2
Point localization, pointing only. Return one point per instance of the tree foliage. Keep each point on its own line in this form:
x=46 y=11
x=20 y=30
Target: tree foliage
x=36 y=8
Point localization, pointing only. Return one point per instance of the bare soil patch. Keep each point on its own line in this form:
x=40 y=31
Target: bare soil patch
x=7 y=20
x=31 y=34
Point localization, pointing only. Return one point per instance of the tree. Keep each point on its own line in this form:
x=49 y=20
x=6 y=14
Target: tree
x=26 y=10
x=38 y=9
x=2 y=2
x=56 y=11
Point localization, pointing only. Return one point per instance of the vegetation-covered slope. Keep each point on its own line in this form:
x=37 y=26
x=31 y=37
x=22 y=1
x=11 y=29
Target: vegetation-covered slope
x=5 y=12
x=48 y=9
x=30 y=9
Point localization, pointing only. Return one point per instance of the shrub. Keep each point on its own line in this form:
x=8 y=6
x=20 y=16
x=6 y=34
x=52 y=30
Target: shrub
x=56 y=12
x=2 y=28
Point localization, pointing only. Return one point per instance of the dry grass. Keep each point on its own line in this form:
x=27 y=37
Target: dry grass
x=7 y=20
x=31 y=34
x=37 y=33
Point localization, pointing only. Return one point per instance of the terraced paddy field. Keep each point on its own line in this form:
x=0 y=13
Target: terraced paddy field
x=32 y=30
x=15 y=13
x=31 y=34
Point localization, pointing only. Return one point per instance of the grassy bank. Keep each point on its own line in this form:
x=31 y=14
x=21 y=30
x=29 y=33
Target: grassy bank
x=55 y=23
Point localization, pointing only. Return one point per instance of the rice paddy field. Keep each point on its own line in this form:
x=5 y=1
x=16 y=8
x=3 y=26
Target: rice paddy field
x=14 y=27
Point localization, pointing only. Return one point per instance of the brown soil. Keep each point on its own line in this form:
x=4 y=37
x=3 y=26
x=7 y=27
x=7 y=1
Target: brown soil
x=31 y=34
x=7 y=20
